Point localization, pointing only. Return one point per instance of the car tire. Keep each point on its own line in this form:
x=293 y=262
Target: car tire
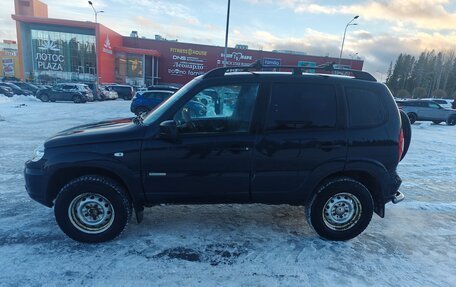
x=436 y=122
x=92 y=209
x=340 y=209
x=412 y=117
x=44 y=98
x=77 y=99
x=407 y=132
x=451 y=121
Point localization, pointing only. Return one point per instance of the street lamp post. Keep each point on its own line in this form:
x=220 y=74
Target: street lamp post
x=345 y=31
x=95 y=11
x=96 y=47
x=226 y=34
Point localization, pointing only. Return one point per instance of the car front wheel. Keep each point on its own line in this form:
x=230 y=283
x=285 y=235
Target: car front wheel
x=44 y=98
x=92 y=209
x=451 y=121
x=341 y=209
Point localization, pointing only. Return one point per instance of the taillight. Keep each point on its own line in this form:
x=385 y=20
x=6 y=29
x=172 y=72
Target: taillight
x=401 y=144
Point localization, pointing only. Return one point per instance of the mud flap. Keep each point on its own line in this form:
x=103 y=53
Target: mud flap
x=139 y=211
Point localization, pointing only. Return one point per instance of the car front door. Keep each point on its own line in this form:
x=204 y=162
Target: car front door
x=433 y=111
x=67 y=92
x=210 y=159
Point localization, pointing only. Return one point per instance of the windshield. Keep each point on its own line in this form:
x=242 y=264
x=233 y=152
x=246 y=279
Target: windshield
x=32 y=85
x=155 y=113
x=13 y=86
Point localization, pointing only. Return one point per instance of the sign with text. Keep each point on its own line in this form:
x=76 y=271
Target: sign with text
x=48 y=56
x=187 y=62
x=271 y=62
x=8 y=67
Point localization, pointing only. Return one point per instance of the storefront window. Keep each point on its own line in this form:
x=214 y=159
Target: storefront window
x=63 y=56
x=129 y=68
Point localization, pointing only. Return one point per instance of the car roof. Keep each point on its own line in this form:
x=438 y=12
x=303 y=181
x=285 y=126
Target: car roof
x=158 y=91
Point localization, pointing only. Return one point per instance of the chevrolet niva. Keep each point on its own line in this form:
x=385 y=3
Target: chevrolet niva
x=330 y=143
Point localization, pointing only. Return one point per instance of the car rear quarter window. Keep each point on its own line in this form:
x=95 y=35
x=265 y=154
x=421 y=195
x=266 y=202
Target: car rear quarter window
x=296 y=106
x=364 y=107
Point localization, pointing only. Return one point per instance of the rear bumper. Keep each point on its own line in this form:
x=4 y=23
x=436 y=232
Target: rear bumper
x=392 y=193
x=398 y=197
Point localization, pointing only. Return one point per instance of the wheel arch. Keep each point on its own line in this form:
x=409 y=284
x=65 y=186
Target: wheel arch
x=63 y=175
x=367 y=177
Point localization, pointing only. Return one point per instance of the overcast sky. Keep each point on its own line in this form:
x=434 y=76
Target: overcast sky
x=385 y=28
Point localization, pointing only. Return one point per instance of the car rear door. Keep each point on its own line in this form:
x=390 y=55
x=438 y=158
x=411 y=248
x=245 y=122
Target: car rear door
x=302 y=133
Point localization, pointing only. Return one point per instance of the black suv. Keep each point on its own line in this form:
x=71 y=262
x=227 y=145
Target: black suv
x=330 y=143
x=77 y=93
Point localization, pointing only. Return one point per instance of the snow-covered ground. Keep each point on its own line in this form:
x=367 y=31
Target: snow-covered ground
x=225 y=245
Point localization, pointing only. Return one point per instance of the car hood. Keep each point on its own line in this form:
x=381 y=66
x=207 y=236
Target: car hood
x=106 y=131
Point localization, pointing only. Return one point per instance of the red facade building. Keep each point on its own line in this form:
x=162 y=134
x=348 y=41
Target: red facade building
x=53 y=50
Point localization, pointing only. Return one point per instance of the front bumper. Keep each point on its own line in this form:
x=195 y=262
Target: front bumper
x=36 y=184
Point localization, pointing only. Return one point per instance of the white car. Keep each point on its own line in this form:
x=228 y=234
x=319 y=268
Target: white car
x=444 y=103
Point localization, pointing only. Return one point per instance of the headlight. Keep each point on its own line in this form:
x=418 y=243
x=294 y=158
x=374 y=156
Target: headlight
x=38 y=153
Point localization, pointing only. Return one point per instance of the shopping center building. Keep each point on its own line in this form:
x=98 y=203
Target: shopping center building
x=56 y=50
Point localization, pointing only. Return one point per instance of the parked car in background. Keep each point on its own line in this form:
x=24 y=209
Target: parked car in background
x=7 y=91
x=27 y=86
x=426 y=110
x=125 y=92
x=16 y=90
x=143 y=102
x=141 y=89
x=163 y=88
x=77 y=93
x=107 y=93
x=444 y=103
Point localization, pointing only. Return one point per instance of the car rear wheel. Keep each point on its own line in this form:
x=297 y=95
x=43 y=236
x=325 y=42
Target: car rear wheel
x=92 y=209
x=77 y=99
x=44 y=98
x=451 y=121
x=341 y=209
x=412 y=117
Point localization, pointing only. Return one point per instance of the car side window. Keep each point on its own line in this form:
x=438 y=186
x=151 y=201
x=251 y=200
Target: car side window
x=147 y=95
x=229 y=108
x=433 y=106
x=364 y=107
x=301 y=106
x=158 y=96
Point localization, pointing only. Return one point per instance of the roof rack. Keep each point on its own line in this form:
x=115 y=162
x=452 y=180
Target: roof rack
x=296 y=70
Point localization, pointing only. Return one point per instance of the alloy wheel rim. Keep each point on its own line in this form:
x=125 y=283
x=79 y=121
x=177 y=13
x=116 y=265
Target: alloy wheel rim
x=91 y=213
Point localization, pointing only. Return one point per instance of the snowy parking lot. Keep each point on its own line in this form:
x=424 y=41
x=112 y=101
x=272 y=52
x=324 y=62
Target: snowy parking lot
x=225 y=245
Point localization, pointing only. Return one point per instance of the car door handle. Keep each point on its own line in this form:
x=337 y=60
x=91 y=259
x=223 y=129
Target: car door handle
x=240 y=148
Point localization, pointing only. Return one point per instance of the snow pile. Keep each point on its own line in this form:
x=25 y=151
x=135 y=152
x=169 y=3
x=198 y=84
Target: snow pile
x=225 y=245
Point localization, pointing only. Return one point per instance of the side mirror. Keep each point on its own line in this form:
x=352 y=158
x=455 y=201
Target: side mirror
x=168 y=130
